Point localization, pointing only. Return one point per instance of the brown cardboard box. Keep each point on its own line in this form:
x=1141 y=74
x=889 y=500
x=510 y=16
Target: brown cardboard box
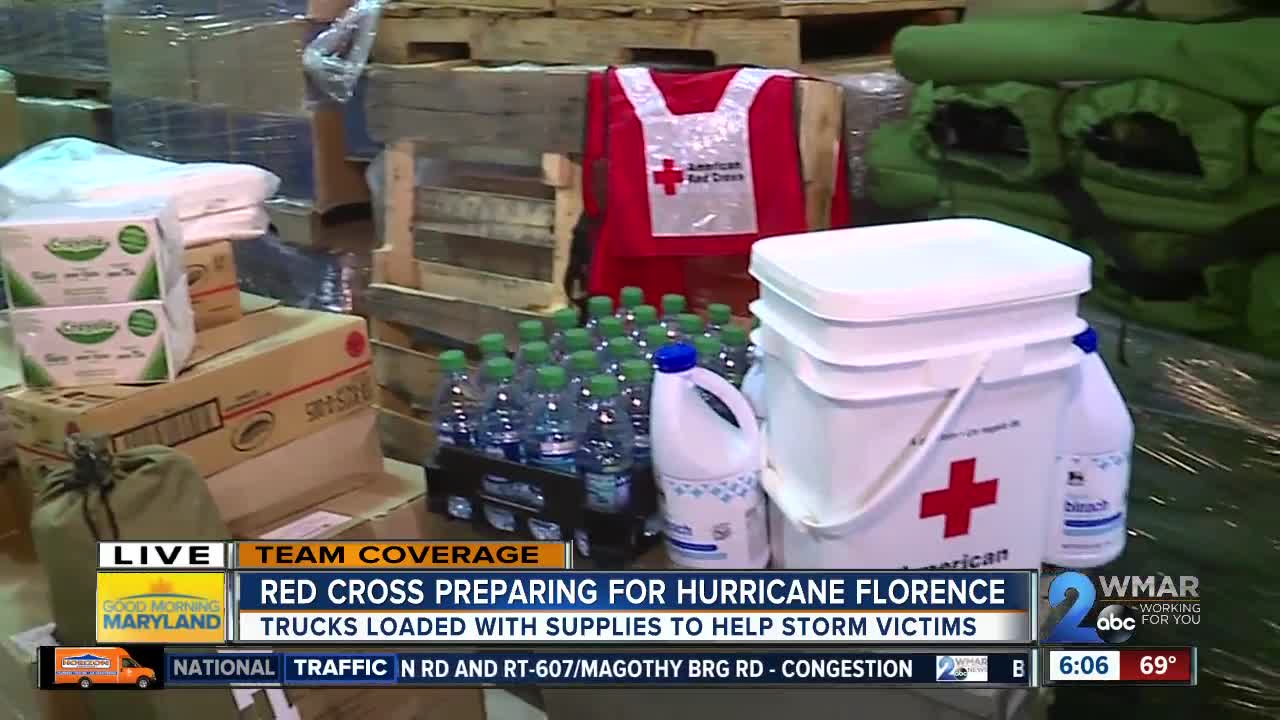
x=10 y=126
x=226 y=52
x=149 y=58
x=304 y=472
x=212 y=282
x=254 y=385
x=47 y=118
x=338 y=181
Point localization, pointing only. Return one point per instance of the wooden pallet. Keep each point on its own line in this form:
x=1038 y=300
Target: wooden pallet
x=719 y=32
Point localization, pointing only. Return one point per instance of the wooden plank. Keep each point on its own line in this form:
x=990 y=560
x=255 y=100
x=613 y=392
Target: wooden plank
x=404 y=438
x=568 y=212
x=461 y=320
x=408 y=374
x=438 y=204
x=482 y=247
x=415 y=40
x=821 y=108
x=479 y=286
x=393 y=262
x=536 y=109
x=804 y=8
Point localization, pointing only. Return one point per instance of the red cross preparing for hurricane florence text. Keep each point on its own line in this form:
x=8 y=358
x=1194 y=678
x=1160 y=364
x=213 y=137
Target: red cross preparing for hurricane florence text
x=668 y=177
x=960 y=498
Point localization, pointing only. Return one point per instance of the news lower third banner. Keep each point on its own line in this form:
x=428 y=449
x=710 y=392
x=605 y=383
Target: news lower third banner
x=589 y=668
x=526 y=593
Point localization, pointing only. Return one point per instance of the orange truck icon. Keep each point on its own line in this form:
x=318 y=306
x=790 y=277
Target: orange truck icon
x=89 y=666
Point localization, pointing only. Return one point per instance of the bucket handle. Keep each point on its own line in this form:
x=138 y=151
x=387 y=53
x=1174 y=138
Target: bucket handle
x=732 y=398
x=840 y=527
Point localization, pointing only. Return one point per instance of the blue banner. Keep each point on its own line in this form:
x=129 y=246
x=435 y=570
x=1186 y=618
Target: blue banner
x=636 y=591
x=661 y=669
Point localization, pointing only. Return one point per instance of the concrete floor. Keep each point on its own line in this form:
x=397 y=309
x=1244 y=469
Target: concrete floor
x=502 y=705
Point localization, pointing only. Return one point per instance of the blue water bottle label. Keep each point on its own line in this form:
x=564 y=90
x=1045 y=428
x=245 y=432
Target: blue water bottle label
x=556 y=455
x=608 y=491
x=507 y=447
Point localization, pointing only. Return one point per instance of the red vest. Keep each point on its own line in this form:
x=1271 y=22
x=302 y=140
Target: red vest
x=694 y=165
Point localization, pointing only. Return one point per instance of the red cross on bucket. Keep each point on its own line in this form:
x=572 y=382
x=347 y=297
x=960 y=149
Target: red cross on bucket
x=668 y=177
x=961 y=497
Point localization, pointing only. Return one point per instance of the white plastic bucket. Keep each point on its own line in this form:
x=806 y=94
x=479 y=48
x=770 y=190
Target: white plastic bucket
x=913 y=420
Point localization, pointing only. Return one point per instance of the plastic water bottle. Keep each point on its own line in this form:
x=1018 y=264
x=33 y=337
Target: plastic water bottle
x=552 y=441
x=1091 y=480
x=630 y=298
x=753 y=387
x=708 y=471
x=457 y=413
x=691 y=326
x=531 y=331
x=503 y=423
x=719 y=316
x=575 y=340
x=599 y=307
x=637 y=382
x=734 y=360
x=620 y=350
x=564 y=320
x=608 y=329
x=492 y=345
x=606 y=453
x=672 y=306
x=655 y=338
x=586 y=363
x=531 y=357
x=646 y=316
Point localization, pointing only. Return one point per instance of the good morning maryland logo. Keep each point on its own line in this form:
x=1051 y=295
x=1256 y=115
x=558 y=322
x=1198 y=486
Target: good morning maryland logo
x=88 y=332
x=144 y=607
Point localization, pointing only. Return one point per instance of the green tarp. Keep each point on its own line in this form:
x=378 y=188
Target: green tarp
x=1266 y=141
x=1121 y=115
x=1235 y=61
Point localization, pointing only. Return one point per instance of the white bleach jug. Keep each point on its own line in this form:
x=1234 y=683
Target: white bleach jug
x=707 y=470
x=915 y=380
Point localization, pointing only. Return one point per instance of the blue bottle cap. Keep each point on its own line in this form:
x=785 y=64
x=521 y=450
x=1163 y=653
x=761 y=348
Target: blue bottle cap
x=1087 y=341
x=676 y=357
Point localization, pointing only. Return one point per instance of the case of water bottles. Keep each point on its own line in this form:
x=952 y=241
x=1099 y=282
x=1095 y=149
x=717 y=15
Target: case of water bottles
x=501 y=497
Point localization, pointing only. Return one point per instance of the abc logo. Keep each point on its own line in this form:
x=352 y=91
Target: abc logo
x=1116 y=623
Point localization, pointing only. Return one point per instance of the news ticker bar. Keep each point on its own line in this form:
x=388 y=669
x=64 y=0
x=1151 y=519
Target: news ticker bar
x=648 y=669
x=1129 y=666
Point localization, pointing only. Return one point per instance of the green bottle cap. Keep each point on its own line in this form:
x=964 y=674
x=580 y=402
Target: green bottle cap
x=585 y=361
x=531 y=331
x=637 y=370
x=719 y=313
x=632 y=296
x=755 y=323
x=452 y=360
x=655 y=336
x=612 y=327
x=565 y=318
x=600 y=306
x=551 y=377
x=576 y=339
x=707 y=347
x=646 y=315
x=493 y=345
x=690 y=324
x=535 y=353
x=603 y=386
x=500 y=368
x=733 y=336
x=673 y=304
x=622 y=347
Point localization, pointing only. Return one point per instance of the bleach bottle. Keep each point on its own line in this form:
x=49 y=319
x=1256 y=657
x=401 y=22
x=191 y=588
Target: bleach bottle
x=1091 y=476
x=707 y=470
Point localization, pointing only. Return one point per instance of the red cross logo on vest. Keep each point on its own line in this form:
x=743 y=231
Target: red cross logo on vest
x=668 y=177
x=960 y=498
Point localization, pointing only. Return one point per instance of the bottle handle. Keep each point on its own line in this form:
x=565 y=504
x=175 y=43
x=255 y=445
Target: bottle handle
x=732 y=398
x=870 y=505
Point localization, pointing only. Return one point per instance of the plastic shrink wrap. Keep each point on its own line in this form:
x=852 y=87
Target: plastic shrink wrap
x=315 y=279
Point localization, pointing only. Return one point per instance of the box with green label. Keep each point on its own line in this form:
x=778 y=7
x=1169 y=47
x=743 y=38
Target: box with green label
x=147 y=341
x=90 y=253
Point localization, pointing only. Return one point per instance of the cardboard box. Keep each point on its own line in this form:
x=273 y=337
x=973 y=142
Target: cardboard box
x=213 y=284
x=304 y=472
x=98 y=253
x=142 y=342
x=254 y=385
x=44 y=119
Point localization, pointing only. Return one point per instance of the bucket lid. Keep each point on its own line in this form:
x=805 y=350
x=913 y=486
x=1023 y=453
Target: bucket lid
x=887 y=272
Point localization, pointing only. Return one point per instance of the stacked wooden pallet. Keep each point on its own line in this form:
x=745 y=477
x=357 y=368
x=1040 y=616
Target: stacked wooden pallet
x=482 y=192
x=776 y=33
